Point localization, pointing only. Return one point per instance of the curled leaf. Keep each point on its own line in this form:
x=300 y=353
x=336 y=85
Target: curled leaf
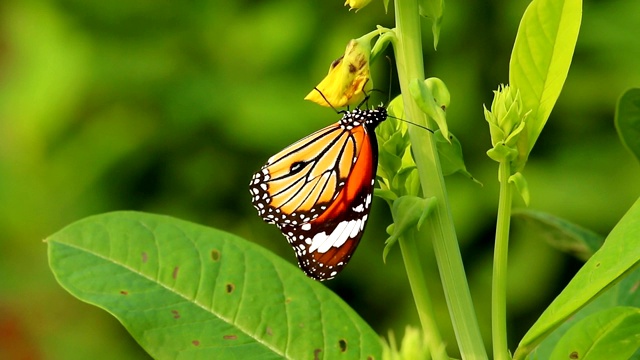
x=426 y=101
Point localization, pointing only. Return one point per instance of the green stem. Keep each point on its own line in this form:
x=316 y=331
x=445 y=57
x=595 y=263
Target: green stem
x=422 y=299
x=409 y=57
x=500 y=255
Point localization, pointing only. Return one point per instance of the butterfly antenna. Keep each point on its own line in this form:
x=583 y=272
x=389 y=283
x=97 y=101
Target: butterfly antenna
x=412 y=123
x=328 y=103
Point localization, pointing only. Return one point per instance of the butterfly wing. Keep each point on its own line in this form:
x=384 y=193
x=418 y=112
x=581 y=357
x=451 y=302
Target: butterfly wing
x=318 y=192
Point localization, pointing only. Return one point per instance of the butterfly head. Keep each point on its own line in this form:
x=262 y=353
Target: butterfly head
x=367 y=117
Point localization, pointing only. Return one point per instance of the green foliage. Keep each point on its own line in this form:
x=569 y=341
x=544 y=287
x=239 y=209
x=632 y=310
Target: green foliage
x=187 y=291
x=627 y=120
x=409 y=213
x=425 y=99
x=169 y=107
x=624 y=294
x=618 y=255
x=451 y=158
x=412 y=346
x=433 y=10
x=608 y=334
x=560 y=233
x=540 y=62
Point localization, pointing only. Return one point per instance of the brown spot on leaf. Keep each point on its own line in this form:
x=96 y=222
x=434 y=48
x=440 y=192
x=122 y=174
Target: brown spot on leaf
x=370 y=357
x=229 y=288
x=634 y=288
x=287 y=300
x=124 y=292
x=215 y=255
x=316 y=354
x=597 y=264
x=174 y=275
x=574 y=355
x=343 y=345
x=352 y=69
x=196 y=342
x=269 y=331
x=176 y=314
x=230 y=337
x=145 y=257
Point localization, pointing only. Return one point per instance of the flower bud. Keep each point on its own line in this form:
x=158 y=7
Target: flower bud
x=357 y=4
x=506 y=119
x=349 y=78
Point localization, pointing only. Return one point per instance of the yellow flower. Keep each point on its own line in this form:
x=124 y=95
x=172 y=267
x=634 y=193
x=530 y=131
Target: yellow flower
x=357 y=4
x=348 y=81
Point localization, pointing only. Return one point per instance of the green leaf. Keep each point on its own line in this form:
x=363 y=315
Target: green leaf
x=450 y=154
x=409 y=212
x=540 y=62
x=433 y=10
x=520 y=182
x=385 y=194
x=624 y=293
x=560 y=233
x=185 y=291
x=628 y=120
x=402 y=183
x=439 y=90
x=423 y=96
x=610 y=334
x=619 y=254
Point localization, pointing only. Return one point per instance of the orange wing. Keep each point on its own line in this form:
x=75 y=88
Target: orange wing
x=318 y=191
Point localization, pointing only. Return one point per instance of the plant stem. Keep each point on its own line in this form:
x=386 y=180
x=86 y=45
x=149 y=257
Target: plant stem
x=409 y=57
x=421 y=297
x=500 y=255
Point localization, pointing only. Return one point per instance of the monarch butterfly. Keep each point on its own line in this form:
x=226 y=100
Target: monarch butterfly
x=318 y=191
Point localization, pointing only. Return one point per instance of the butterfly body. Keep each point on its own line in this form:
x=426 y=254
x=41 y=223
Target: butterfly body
x=318 y=191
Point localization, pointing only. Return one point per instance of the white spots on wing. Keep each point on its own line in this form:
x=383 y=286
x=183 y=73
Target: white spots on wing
x=317 y=241
x=359 y=208
x=263 y=186
x=336 y=238
x=344 y=231
x=306 y=227
x=356 y=228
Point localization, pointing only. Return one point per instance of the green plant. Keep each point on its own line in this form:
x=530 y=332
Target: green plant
x=183 y=290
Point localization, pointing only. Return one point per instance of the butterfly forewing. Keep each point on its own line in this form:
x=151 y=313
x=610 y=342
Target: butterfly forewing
x=318 y=191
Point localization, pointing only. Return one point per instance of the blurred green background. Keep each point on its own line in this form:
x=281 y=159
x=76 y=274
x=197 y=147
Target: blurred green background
x=169 y=107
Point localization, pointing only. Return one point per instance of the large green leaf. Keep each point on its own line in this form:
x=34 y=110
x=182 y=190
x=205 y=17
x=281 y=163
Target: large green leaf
x=610 y=334
x=623 y=294
x=628 y=120
x=618 y=255
x=187 y=291
x=540 y=62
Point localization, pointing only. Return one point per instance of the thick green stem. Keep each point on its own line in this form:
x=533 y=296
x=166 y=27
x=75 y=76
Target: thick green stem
x=410 y=66
x=422 y=298
x=500 y=255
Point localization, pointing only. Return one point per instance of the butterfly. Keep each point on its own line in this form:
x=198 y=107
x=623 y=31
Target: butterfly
x=318 y=191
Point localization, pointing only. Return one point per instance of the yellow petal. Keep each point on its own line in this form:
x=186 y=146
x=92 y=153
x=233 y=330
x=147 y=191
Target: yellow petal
x=348 y=80
x=357 y=4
